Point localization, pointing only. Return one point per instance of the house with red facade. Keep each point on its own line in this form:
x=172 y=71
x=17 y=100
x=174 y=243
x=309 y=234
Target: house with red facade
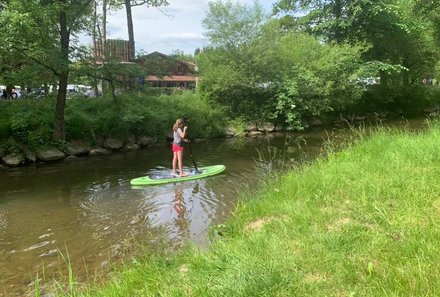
x=168 y=72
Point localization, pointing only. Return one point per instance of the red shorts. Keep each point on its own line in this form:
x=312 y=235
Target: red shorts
x=177 y=148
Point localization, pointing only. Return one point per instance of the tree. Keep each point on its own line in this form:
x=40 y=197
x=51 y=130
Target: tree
x=233 y=25
x=259 y=70
x=228 y=68
x=390 y=29
x=180 y=55
x=41 y=32
x=430 y=11
x=129 y=4
x=331 y=20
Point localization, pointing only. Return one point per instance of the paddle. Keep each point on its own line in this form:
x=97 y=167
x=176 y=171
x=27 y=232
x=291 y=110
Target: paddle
x=190 y=149
x=191 y=154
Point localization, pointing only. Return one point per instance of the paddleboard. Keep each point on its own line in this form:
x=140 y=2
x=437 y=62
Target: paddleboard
x=157 y=179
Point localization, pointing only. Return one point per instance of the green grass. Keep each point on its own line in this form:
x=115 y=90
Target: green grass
x=360 y=222
x=30 y=121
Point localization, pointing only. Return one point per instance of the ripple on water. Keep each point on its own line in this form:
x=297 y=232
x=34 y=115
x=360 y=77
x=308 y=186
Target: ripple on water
x=113 y=212
x=46 y=234
x=3 y=221
x=39 y=245
x=52 y=252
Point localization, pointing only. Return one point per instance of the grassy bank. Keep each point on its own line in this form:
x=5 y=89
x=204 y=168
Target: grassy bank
x=361 y=222
x=30 y=121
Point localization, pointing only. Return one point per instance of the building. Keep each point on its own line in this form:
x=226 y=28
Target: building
x=169 y=72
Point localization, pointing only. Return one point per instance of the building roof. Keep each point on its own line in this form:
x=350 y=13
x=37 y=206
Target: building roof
x=173 y=78
x=156 y=53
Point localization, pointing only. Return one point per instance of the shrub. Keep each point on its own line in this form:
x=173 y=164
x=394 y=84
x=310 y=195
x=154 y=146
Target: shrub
x=30 y=121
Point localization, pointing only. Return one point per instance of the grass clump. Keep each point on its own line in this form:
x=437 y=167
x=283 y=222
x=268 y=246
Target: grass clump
x=360 y=222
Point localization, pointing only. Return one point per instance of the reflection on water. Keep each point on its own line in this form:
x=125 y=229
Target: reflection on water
x=89 y=210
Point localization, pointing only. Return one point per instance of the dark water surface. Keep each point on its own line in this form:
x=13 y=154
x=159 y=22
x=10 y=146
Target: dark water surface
x=88 y=209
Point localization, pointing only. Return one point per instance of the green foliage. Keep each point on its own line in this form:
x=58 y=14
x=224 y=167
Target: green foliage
x=30 y=121
x=228 y=86
x=410 y=100
x=38 y=41
x=27 y=121
x=231 y=73
x=238 y=124
x=395 y=30
x=317 y=79
x=233 y=25
x=276 y=73
x=300 y=78
x=141 y=115
x=291 y=107
x=430 y=11
x=204 y=120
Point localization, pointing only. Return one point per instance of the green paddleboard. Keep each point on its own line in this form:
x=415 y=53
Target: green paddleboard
x=164 y=179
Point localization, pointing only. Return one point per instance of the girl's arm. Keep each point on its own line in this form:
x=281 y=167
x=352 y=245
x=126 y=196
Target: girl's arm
x=182 y=133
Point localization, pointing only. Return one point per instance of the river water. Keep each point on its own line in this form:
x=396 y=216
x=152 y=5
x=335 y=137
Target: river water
x=86 y=211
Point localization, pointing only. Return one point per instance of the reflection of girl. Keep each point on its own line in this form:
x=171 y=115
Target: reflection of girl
x=179 y=137
x=178 y=205
x=180 y=208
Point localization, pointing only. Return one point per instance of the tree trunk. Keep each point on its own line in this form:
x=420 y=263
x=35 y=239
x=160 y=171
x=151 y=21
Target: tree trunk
x=405 y=73
x=383 y=79
x=131 y=48
x=58 y=132
x=46 y=89
x=104 y=29
x=95 y=45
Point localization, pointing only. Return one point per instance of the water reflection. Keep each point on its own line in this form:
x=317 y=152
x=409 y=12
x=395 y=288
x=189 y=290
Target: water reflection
x=181 y=222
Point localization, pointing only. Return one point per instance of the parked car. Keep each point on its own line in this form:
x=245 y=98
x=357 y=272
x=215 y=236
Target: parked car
x=35 y=93
x=17 y=91
x=1 y=91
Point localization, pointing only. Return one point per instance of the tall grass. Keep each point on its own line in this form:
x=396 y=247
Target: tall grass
x=142 y=115
x=30 y=121
x=359 y=222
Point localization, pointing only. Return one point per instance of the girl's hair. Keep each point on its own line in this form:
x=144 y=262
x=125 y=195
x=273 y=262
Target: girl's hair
x=177 y=124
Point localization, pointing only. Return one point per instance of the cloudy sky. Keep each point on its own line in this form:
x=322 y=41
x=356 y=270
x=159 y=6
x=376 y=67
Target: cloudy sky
x=180 y=29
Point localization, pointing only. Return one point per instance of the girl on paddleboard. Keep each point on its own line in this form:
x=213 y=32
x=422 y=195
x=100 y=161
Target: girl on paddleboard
x=179 y=133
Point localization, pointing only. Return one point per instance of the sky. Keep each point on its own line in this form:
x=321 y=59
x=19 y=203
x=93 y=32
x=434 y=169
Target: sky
x=180 y=29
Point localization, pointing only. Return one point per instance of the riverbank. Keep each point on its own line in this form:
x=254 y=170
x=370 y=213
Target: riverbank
x=25 y=126
x=358 y=222
x=99 y=125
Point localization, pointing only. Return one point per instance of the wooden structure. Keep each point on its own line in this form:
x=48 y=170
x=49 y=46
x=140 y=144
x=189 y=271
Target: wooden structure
x=115 y=50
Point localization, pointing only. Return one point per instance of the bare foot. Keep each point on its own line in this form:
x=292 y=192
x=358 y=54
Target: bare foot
x=183 y=174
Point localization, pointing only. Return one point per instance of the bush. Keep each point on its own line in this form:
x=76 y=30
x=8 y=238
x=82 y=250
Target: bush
x=403 y=100
x=27 y=121
x=30 y=121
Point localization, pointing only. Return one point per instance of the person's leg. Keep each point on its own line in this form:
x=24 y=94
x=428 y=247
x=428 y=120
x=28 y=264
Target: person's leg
x=180 y=161
x=174 y=162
